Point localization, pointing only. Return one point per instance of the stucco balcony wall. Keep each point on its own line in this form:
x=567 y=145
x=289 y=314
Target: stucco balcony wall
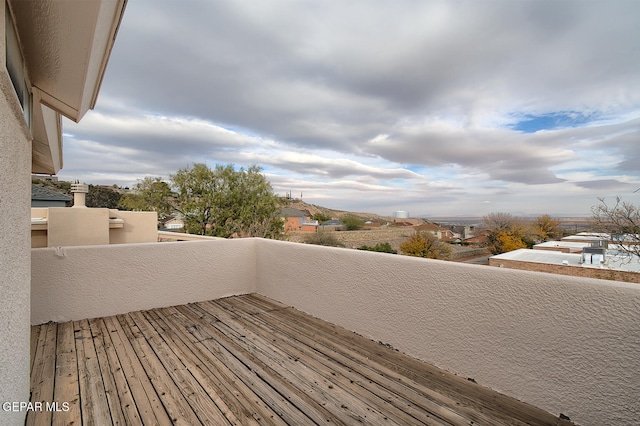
x=72 y=283
x=565 y=344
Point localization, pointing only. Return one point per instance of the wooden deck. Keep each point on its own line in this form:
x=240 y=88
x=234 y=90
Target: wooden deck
x=244 y=360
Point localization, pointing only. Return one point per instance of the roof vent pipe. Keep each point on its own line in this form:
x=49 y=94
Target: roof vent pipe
x=79 y=191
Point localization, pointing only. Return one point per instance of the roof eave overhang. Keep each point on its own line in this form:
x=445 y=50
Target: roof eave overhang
x=67 y=45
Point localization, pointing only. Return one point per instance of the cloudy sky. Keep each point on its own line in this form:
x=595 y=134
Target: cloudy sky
x=435 y=107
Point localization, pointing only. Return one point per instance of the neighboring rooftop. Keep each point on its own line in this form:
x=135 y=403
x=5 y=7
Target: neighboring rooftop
x=618 y=262
x=563 y=246
x=591 y=262
x=41 y=193
x=247 y=360
x=587 y=237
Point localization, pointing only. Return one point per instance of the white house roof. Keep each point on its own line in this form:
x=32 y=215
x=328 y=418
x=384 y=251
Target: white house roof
x=614 y=262
x=574 y=246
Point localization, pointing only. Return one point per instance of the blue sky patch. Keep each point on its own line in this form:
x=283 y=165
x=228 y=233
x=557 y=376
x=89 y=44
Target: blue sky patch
x=532 y=123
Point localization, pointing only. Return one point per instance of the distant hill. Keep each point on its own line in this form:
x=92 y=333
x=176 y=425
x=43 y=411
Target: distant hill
x=336 y=214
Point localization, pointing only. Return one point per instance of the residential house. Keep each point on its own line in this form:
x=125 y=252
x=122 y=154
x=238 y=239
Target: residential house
x=173 y=223
x=563 y=246
x=480 y=238
x=585 y=255
x=45 y=197
x=332 y=225
x=298 y=220
x=463 y=231
x=589 y=262
x=443 y=234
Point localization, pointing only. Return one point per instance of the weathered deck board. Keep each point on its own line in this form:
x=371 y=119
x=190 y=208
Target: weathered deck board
x=147 y=402
x=67 y=386
x=246 y=360
x=313 y=387
x=239 y=396
x=364 y=358
x=43 y=373
x=94 y=405
x=390 y=397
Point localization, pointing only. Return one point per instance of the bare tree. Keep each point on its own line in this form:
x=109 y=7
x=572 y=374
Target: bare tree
x=621 y=221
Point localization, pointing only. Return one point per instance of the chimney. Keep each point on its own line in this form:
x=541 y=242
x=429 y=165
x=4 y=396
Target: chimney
x=80 y=191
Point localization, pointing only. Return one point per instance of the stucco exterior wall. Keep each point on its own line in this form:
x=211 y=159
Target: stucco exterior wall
x=91 y=226
x=71 y=227
x=15 y=245
x=139 y=227
x=70 y=283
x=565 y=344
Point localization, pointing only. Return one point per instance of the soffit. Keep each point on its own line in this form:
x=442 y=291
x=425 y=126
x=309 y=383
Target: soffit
x=46 y=129
x=66 y=45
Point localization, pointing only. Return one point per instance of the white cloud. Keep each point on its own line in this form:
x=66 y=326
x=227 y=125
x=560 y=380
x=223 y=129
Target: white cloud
x=379 y=105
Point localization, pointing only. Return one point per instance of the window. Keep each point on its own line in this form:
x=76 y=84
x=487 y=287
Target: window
x=15 y=66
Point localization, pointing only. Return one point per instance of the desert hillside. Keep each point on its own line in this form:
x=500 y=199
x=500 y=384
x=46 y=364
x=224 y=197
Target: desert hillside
x=336 y=214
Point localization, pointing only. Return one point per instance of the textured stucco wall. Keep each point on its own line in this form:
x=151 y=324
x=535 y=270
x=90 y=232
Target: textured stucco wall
x=15 y=245
x=71 y=283
x=77 y=226
x=565 y=344
x=139 y=227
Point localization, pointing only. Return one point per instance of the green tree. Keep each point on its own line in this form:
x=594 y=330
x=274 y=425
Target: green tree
x=197 y=188
x=352 y=222
x=320 y=217
x=149 y=194
x=425 y=244
x=254 y=210
x=102 y=197
x=225 y=202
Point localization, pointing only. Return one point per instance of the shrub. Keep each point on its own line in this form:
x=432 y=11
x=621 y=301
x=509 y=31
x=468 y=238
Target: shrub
x=425 y=244
x=380 y=247
x=352 y=222
x=323 y=239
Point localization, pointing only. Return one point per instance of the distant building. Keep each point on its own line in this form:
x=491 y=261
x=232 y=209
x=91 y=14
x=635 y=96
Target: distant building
x=463 y=231
x=592 y=262
x=298 y=220
x=400 y=214
x=173 y=223
x=45 y=197
x=443 y=234
x=561 y=246
x=332 y=225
